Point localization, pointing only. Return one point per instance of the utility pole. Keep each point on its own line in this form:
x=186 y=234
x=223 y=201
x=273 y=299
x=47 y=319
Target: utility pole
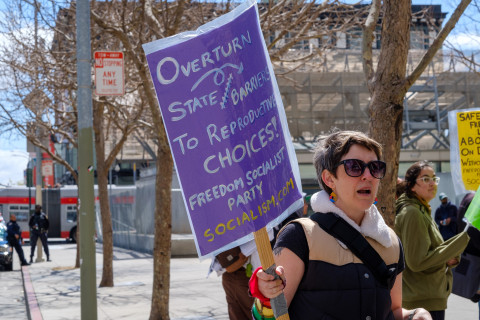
x=38 y=182
x=88 y=278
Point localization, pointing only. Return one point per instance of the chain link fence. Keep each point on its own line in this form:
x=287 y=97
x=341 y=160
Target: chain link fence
x=133 y=214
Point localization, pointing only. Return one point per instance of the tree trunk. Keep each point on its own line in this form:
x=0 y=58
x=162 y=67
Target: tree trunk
x=386 y=128
x=163 y=234
x=388 y=87
x=388 y=90
x=102 y=181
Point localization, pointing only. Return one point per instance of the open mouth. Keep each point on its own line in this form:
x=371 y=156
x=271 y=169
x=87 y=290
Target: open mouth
x=365 y=191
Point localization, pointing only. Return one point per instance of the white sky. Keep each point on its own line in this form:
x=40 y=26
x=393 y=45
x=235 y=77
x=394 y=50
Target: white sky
x=12 y=165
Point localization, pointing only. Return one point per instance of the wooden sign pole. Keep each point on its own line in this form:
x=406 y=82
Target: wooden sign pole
x=279 y=304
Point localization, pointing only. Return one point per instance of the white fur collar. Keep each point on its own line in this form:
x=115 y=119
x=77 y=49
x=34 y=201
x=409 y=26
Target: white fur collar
x=373 y=225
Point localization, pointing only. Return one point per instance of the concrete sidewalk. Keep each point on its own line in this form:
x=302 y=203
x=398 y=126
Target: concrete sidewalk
x=55 y=286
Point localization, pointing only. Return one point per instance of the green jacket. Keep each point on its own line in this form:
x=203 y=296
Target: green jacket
x=427 y=280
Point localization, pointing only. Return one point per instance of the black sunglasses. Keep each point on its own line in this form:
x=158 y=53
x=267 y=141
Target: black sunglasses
x=355 y=167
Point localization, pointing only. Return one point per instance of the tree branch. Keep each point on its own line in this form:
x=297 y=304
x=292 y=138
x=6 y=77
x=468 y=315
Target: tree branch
x=367 y=40
x=437 y=44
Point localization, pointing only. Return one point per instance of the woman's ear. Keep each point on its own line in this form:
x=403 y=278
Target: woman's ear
x=328 y=179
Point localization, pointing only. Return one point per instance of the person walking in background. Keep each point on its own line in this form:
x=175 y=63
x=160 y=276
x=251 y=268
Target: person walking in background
x=39 y=229
x=14 y=238
x=427 y=279
x=324 y=279
x=446 y=217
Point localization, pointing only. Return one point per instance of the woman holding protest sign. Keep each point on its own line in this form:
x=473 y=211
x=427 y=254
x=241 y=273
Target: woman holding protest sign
x=344 y=262
x=427 y=280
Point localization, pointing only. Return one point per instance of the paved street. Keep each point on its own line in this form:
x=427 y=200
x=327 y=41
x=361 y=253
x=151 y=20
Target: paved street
x=192 y=296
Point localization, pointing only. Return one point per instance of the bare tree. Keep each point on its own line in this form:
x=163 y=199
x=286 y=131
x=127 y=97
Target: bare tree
x=104 y=164
x=29 y=103
x=301 y=33
x=388 y=83
x=114 y=117
x=140 y=23
x=39 y=100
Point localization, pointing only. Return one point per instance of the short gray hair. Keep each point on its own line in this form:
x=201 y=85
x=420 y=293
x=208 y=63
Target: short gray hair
x=330 y=149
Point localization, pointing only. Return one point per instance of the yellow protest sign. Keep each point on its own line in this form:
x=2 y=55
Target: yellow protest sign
x=468 y=126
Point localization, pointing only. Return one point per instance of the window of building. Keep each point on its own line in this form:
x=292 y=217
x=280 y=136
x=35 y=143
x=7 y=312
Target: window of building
x=21 y=212
x=327 y=41
x=377 y=43
x=303 y=44
x=419 y=37
x=341 y=40
x=71 y=213
x=354 y=39
x=270 y=38
x=445 y=166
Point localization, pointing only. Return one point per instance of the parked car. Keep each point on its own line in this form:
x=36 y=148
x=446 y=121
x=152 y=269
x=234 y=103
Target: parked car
x=6 y=252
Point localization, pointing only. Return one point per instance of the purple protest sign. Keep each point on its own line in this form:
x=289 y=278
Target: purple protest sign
x=226 y=127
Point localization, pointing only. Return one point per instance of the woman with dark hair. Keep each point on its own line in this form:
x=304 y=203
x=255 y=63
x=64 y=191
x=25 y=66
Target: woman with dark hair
x=427 y=279
x=324 y=278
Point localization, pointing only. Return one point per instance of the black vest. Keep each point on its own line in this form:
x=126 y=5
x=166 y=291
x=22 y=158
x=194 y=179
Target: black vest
x=337 y=285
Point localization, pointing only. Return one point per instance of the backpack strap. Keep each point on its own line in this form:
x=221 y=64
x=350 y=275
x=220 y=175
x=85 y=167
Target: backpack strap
x=343 y=231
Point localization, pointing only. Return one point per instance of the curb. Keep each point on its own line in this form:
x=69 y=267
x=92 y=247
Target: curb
x=31 y=303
